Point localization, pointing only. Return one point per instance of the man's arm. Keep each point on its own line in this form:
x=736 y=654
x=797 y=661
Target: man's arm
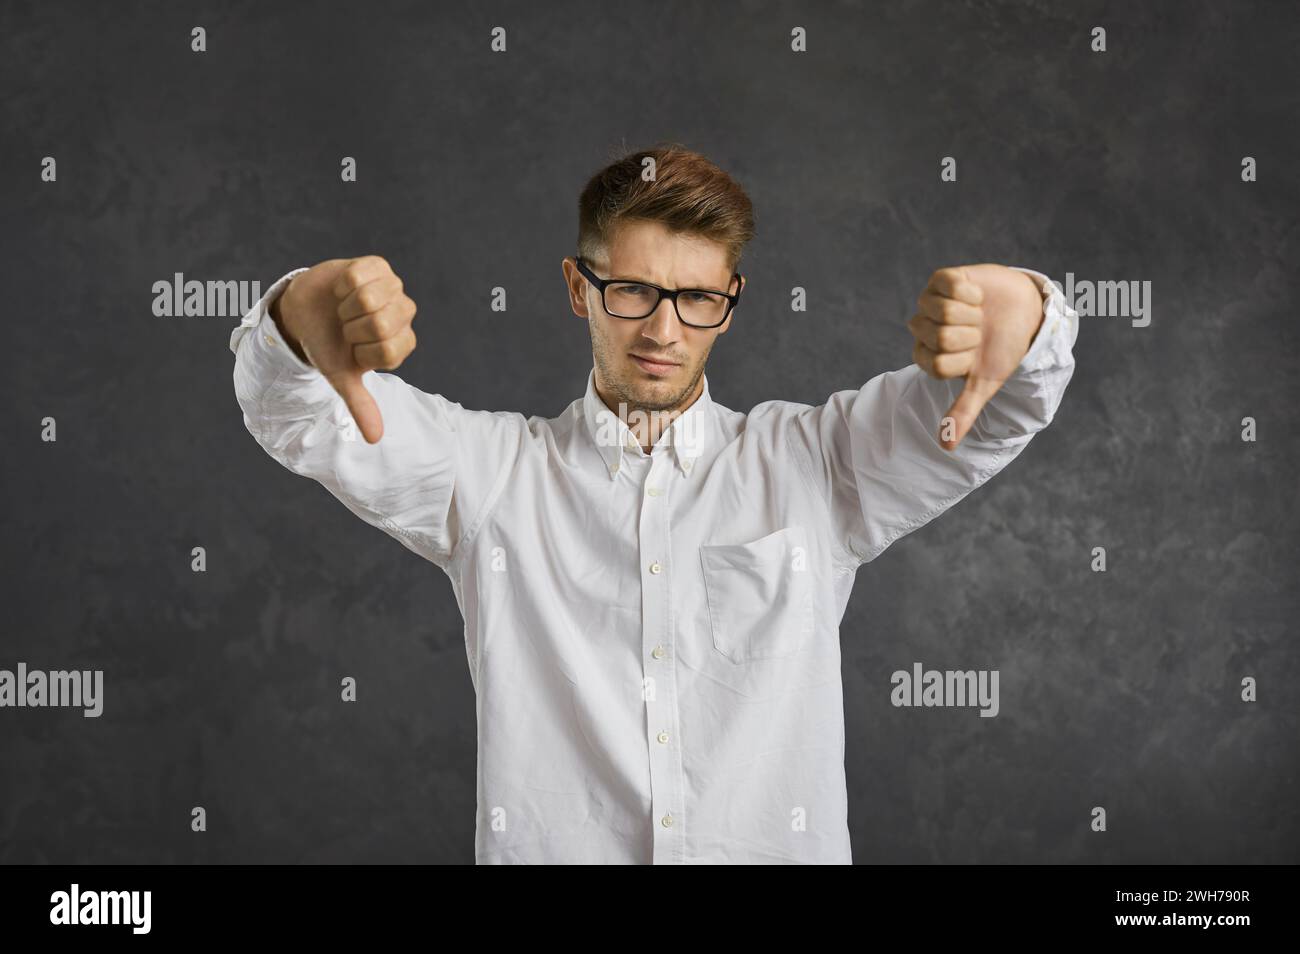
x=889 y=457
x=434 y=470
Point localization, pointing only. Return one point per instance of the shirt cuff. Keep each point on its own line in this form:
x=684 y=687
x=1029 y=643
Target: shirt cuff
x=1056 y=335
x=269 y=347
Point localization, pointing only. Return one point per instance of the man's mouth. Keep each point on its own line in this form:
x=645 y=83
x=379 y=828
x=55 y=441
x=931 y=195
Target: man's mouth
x=658 y=366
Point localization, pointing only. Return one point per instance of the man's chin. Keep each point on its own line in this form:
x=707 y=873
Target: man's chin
x=655 y=392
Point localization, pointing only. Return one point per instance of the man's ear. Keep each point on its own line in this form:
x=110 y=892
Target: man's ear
x=722 y=328
x=577 y=286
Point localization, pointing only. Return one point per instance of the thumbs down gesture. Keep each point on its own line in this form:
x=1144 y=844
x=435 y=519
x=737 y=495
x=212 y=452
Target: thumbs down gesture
x=347 y=316
x=974 y=322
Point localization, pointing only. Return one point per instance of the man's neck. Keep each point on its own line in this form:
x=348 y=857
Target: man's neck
x=646 y=425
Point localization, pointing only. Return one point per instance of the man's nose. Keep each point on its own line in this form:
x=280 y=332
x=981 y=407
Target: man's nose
x=661 y=325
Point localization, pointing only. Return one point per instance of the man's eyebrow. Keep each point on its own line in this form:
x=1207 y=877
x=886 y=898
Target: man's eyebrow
x=645 y=281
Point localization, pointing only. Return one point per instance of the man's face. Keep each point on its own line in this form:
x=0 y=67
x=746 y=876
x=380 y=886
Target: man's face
x=654 y=363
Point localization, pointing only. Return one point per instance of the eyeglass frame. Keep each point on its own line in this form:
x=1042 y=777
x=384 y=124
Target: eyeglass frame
x=601 y=283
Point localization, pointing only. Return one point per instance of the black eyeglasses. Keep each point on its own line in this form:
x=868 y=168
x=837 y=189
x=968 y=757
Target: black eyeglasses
x=696 y=307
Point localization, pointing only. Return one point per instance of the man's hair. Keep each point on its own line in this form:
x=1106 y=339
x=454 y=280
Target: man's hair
x=687 y=194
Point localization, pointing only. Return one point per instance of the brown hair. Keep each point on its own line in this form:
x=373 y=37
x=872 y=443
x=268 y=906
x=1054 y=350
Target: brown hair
x=688 y=194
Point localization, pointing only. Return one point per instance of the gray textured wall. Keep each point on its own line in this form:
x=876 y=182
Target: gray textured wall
x=1118 y=689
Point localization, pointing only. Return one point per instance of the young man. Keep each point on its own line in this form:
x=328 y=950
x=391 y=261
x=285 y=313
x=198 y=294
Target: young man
x=652 y=583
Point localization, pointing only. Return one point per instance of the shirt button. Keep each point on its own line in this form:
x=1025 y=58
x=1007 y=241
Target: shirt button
x=655 y=568
x=269 y=340
x=666 y=821
x=686 y=464
x=654 y=491
x=657 y=652
x=662 y=737
x=613 y=468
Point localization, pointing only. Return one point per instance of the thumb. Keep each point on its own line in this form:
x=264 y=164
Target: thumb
x=961 y=416
x=360 y=403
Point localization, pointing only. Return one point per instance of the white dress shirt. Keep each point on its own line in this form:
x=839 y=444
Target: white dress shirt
x=653 y=639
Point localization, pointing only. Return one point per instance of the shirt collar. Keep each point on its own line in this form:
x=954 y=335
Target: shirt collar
x=686 y=436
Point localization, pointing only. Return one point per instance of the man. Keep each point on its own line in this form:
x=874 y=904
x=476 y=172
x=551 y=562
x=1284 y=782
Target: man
x=652 y=584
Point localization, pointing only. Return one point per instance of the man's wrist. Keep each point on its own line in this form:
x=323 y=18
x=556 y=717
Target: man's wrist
x=289 y=339
x=1035 y=303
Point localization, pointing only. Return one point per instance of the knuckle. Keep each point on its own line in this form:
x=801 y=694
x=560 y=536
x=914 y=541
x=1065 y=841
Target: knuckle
x=947 y=365
x=950 y=338
x=367 y=263
x=369 y=299
x=351 y=279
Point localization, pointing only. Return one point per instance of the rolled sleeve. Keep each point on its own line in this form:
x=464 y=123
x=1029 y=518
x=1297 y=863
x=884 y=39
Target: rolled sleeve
x=259 y=323
x=1054 y=343
x=1029 y=398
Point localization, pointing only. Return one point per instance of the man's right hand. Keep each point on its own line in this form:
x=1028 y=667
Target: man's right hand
x=348 y=316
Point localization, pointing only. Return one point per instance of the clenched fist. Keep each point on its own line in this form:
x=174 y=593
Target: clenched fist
x=348 y=316
x=974 y=322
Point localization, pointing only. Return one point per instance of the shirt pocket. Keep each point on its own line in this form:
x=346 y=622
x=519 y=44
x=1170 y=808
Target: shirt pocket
x=759 y=595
